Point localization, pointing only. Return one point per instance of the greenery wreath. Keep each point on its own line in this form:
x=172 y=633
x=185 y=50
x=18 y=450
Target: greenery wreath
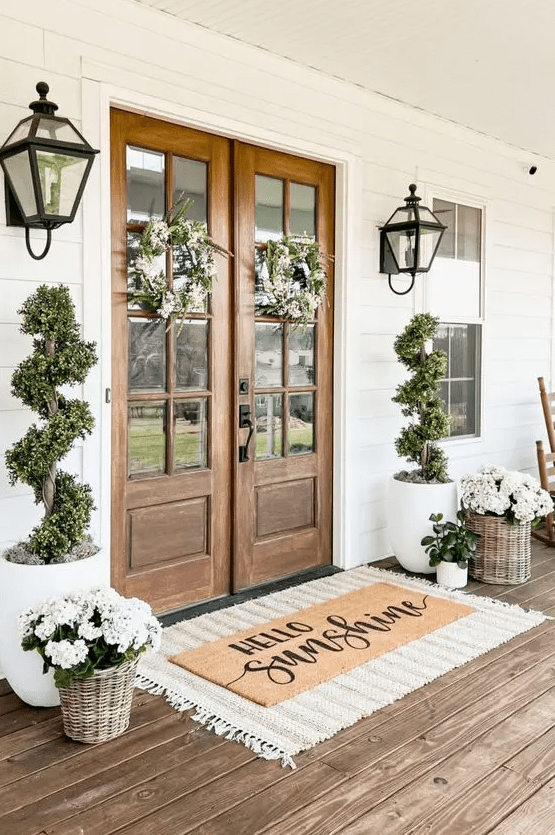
x=292 y=279
x=196 y=257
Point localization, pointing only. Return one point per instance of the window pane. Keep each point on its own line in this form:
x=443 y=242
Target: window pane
x=147 y=355
x=191 y=355
x=268 y=346
x=468 y=233
x=302 y=218
x=463 y=351
x=460 y=390
x=301 y=423
x=190 y=427
x=145 y=185
x=268 y=426
x=463 y=408
x=301 y=356
x=189 y=182
x=269 y=208
x=182 y=268
x=159 y=264
x=146 y=439
x=446 y=214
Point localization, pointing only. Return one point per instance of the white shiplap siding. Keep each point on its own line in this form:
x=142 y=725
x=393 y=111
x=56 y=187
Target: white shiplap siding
x=139 y=57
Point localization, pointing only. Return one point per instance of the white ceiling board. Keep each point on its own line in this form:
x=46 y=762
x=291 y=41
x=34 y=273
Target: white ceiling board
x=485 y=64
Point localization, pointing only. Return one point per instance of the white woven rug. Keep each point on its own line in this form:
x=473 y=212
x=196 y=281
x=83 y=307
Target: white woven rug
x=292 y=726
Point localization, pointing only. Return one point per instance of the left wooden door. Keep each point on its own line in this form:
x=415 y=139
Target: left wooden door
x=171 y=426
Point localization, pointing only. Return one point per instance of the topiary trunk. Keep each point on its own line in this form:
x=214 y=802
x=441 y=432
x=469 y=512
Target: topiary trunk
x=60 y=358
x=420 y=400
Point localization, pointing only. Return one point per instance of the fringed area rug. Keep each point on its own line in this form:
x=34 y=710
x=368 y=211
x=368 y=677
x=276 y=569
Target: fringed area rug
x=468 y=627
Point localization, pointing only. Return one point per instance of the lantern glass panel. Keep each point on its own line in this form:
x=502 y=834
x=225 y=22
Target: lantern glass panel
x=20 y=132
x=402 y=247
x=18 y=168
x=404 y=214
x=61 y=176
x=428 y=242
x=57 y=130
x=426 y=216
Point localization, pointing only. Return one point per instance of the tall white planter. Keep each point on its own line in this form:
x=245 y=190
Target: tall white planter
x=409 y=507
x=24 y=586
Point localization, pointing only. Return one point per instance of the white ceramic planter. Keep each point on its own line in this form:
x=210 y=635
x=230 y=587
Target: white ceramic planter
x=409 y=507
x=451 y=576
x=24 y=586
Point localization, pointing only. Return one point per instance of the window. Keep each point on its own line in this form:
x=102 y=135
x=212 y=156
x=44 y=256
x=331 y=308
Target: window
x=455 y=295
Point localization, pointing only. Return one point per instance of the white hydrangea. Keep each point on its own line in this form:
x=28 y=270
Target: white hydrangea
x=494 y=490
x=66 y=654
x=100 y=617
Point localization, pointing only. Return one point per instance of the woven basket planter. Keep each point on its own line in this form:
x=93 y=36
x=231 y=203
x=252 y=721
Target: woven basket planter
x=503 y=553
x=98 y=708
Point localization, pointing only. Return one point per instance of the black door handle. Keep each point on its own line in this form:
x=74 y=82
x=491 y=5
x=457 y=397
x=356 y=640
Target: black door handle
x=244 y=422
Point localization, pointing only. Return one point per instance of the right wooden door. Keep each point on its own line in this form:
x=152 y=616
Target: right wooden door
x=283 y=495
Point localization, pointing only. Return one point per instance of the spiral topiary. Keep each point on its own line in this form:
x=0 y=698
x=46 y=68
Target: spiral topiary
x=420 y=400
x=60 y=357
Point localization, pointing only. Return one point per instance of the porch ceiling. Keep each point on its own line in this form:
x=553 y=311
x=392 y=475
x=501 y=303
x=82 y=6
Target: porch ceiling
x=487 y=65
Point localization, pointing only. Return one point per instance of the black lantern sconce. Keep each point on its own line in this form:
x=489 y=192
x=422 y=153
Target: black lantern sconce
x=46 y=164
x=409 y=240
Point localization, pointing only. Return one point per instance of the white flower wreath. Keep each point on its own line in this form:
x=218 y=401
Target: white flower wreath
x=293 y=279
x=189 y=293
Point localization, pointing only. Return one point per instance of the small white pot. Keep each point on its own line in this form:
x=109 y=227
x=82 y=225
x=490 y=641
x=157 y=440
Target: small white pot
x=25 y=586
x=409 y=507
x=451 y=576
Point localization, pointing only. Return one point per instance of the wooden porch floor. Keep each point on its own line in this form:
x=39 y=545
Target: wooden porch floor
x=472 y=752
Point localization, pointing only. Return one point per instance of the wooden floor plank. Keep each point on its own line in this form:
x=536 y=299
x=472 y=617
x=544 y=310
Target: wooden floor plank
x=273 y=804
x=535 y=816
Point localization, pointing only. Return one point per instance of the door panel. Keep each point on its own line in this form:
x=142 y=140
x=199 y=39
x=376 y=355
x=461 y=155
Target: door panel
x=283 y=504
x=171 y=471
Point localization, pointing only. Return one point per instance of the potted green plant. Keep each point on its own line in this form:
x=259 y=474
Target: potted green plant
x=92 y=641
x=450 y=548
x=415 y=493
x=58 y=556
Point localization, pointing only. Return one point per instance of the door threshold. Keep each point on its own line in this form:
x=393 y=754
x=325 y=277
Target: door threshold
x=228 y=600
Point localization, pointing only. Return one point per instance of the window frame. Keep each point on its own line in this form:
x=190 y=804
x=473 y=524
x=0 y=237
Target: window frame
x=461 y=198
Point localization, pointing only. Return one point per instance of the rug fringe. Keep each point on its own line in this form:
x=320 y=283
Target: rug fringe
x=220 y=726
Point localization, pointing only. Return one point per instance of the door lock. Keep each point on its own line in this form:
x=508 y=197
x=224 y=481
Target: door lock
x=245 y=421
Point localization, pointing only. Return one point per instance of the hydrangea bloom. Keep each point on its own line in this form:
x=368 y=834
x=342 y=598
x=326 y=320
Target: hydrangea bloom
x=78 y=633
x=514 y=496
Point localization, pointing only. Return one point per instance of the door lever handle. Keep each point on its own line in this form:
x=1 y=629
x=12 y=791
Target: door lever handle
x=244 y=422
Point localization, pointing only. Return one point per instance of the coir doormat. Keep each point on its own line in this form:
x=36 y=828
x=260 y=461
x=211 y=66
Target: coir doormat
x=287 y=656
x=283 y=730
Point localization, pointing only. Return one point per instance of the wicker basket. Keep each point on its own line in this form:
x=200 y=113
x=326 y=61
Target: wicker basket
x=503 y=553
x=98 y=708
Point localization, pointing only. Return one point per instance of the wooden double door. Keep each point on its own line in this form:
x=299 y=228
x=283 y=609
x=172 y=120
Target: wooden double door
x=192 y=516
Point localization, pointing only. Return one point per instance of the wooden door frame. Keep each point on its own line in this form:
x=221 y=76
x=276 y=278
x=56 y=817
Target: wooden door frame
x=100 y=94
